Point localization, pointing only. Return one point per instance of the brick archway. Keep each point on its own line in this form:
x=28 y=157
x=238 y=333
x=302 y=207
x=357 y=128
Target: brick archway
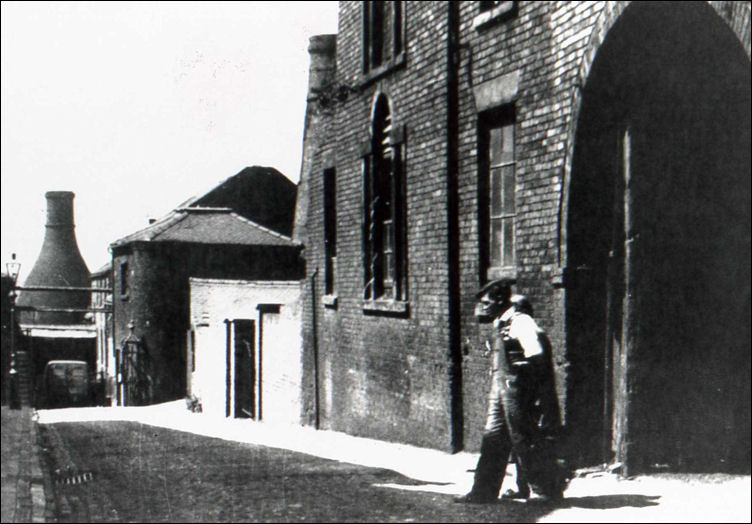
x=736 y=15
x=654 y=209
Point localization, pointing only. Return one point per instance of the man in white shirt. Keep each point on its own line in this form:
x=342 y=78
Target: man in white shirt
x=523 y=413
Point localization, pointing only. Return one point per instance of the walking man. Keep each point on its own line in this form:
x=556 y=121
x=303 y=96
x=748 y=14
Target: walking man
x=523 y=413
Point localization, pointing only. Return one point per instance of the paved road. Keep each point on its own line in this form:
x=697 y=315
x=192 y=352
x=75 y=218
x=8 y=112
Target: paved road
x=126 y=471
x=161 y=463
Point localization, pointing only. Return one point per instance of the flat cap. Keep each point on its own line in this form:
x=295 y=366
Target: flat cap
x=497 y=288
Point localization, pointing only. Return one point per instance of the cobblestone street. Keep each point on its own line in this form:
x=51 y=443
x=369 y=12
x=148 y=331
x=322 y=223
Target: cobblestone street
x=126 y=471
x=163 y=463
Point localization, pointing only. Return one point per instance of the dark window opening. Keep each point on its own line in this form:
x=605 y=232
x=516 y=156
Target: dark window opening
x=490 y=12
x=330 y=230
x=192 y=343
x=487 y=5
x=383 y=33
x=124 y=279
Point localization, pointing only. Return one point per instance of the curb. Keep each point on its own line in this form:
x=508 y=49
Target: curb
x=42 y=486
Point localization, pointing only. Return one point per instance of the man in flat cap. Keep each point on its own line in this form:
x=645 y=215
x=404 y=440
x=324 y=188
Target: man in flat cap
x=523 y=413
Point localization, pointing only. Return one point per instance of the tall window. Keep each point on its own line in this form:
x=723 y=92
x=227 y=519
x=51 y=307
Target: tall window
x=123 y=279
x=383 y=24
x=384 y=209
x=330 y=229
x=498 y=160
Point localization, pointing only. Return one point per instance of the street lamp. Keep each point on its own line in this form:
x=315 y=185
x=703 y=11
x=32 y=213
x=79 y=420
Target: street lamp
x=13 y=268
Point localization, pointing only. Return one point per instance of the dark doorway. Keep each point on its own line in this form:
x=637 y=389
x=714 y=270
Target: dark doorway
x=658 y=313
x=244 y=336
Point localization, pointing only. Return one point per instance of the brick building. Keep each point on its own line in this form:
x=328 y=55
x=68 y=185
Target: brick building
x=101 y=314
x=598 y=153
x=237 y=230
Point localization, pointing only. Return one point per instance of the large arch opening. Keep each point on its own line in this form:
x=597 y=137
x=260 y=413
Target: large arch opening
x=658 y=226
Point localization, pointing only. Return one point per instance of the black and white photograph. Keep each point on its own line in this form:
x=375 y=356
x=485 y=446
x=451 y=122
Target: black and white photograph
x=376 y=261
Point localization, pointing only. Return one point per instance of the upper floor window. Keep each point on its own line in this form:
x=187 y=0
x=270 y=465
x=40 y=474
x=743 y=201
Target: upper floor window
x=124 y=279
x=492 y=11
x=497 y=156
x=383 y=35
x=330 y=229
x=384 y=232
x=487 y=5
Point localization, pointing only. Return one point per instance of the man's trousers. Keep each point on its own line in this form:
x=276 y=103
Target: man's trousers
x=520 y=402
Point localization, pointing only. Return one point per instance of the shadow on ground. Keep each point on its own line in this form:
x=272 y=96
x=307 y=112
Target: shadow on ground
x=611 y=501
x=126 y=471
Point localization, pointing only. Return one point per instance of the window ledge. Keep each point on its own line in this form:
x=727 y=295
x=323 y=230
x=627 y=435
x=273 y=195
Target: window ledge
x=388 y=307
x=495 y=273
x=501 y=11
x=125 y=297
x=384 y=69
x=329 y=301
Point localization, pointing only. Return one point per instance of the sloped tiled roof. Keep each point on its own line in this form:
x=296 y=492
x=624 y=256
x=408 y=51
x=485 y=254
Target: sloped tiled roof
x=207 y=226
x=152 y=230
x=252 y=207
x=102 y=271
x=261 y=194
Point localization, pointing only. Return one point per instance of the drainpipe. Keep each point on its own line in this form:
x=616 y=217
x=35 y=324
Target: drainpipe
x=314 y=335
x=453 y=251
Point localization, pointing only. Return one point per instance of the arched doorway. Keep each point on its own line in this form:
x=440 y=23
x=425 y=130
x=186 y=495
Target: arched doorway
x=658 y=225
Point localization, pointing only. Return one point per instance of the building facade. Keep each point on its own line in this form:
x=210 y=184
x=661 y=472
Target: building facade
x=596 y=152
x=101 y=306
x=244 y=358
x=210 y=236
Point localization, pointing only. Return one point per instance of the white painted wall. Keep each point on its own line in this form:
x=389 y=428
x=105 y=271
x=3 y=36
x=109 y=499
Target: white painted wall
x=213 y=302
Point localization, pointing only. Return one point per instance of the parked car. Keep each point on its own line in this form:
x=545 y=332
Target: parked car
x=66 y=383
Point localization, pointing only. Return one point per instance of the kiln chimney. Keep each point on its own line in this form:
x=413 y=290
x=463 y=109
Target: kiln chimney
x=59 y=264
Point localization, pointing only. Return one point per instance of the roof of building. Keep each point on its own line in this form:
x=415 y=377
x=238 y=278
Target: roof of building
x=103 y=271
x=260 y=194
x=253 y=207
x=201 y=225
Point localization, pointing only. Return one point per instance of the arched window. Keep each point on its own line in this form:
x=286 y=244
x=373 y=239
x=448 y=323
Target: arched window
x=384 y=242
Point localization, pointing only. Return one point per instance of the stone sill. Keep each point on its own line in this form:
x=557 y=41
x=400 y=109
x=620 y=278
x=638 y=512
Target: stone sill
x=329 y=301
x=384 y=69
x=387 y=307
x=495 y=273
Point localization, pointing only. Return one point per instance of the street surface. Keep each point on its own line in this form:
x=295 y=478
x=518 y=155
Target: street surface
x=141 y=473
x=163 y=463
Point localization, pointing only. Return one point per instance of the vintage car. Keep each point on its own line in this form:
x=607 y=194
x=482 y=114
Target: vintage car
x=66 y=383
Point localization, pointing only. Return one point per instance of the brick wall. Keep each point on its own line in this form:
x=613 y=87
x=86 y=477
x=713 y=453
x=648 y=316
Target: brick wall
x=158 y=297
x=387 y=377
x=382 y=375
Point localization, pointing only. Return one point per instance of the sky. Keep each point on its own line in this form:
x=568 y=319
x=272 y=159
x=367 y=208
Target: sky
x=137 y=106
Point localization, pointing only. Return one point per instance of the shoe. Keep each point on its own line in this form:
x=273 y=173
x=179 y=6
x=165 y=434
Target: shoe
x=551 y=498
x=475 y=498
x=516 y=495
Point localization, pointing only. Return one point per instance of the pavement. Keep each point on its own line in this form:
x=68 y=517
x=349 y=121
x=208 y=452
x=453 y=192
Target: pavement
x=26 y=486
x=593 y=496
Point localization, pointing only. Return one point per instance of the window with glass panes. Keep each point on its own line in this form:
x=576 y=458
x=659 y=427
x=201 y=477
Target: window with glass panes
x=383 y=33
x=501 y=184
x=384 y=236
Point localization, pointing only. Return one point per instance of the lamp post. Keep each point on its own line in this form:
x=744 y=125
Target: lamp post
x=13 y=269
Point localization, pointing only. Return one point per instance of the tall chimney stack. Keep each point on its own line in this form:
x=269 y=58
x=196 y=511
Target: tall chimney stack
x=321 y=75
x=59 y=264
